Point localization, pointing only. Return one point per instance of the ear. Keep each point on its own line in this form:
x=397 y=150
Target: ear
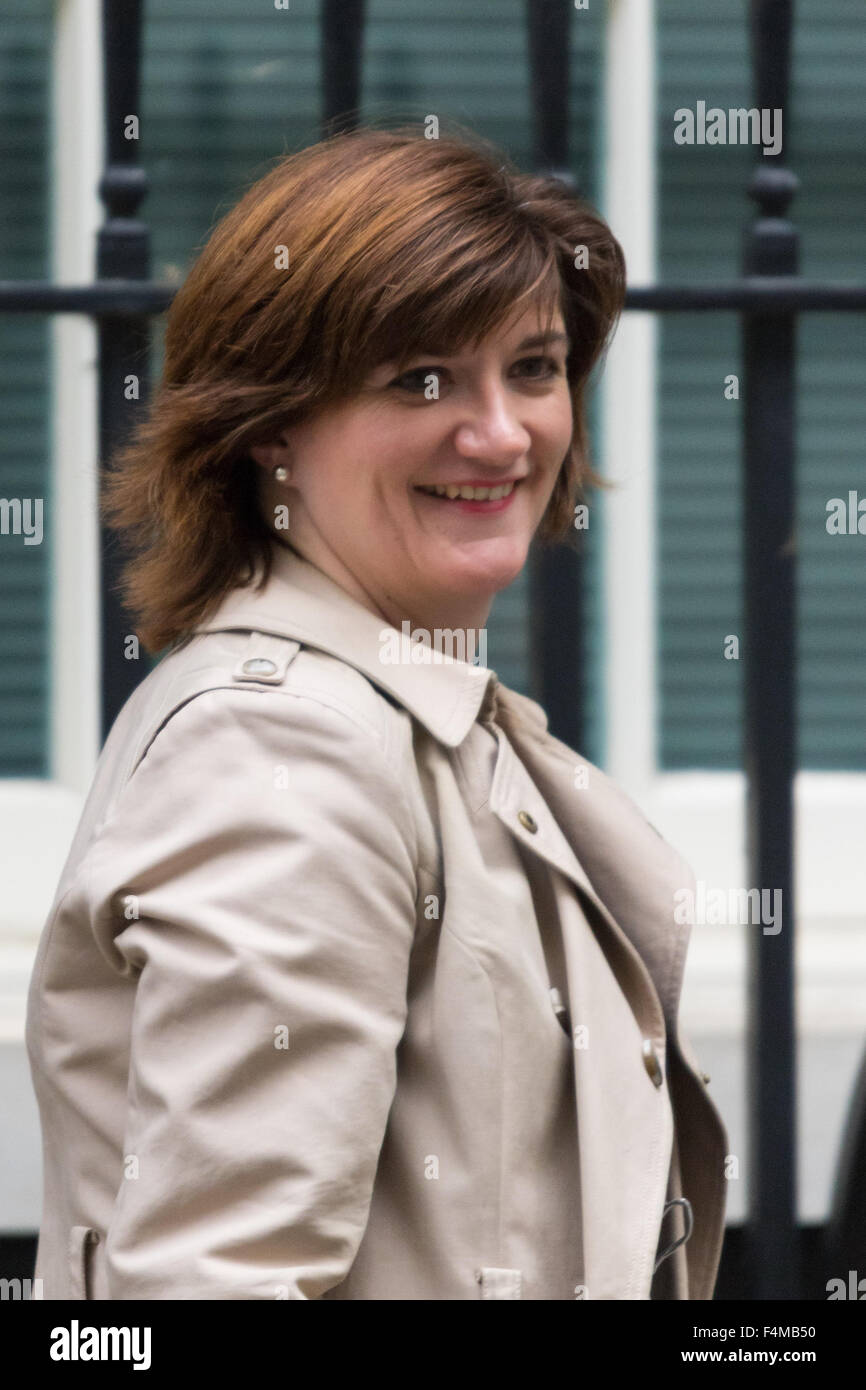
x=263 y=455
x=267 y=456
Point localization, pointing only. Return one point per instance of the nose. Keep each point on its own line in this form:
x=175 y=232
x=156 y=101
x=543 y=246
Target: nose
x=491 y=429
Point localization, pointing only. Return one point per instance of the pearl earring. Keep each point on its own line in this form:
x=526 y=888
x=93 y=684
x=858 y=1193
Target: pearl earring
x=281 y=473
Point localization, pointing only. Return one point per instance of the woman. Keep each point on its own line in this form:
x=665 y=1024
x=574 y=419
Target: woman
x=359 y=984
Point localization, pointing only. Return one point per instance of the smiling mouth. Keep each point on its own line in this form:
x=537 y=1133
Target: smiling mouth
x=454 y=493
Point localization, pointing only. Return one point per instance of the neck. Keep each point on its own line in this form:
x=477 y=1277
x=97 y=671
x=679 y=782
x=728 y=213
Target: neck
x=455 y=627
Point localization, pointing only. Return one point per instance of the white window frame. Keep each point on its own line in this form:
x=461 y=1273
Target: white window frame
x=38 y=816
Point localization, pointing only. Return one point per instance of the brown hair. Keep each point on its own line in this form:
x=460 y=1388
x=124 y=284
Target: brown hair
x=396 y=245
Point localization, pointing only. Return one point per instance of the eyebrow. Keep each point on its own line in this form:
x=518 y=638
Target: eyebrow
x=541 y=340
x=536 y=340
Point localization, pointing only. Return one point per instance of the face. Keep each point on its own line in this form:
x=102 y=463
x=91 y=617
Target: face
x=363 y=475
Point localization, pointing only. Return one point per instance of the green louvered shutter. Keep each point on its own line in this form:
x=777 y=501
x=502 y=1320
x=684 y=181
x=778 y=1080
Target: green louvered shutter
x=223 y=94
x=703 y=211
x=25 y=569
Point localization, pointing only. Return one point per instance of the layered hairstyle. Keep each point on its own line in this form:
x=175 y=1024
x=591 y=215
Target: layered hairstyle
x=371 y=246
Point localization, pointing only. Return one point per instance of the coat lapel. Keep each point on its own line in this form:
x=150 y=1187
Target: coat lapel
x=608 y=849
x=625 y=1127
x=619 y=1109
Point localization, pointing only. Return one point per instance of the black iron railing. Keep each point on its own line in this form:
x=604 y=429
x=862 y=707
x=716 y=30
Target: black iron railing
x=771 y=1258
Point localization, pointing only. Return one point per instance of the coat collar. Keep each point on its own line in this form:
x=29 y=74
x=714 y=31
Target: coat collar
x=300 y=601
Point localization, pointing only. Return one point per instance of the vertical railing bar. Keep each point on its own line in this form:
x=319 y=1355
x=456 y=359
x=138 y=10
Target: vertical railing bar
x=556 y=573
x=769 y=356
x=122 y=252
x=342 y=46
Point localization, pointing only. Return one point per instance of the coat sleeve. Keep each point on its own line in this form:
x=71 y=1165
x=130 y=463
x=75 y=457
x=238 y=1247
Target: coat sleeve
x=258 y=882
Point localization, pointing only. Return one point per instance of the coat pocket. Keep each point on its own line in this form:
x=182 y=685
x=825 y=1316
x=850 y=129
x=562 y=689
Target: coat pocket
x=499 y=1283
x=81 y=1240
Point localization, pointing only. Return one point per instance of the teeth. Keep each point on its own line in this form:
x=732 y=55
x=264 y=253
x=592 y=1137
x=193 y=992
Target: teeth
x=471 y=494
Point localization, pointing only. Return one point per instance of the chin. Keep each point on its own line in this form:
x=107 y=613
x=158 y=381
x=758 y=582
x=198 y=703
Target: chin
x=488 y=566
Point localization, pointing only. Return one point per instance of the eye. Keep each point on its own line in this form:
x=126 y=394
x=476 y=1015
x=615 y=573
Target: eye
x=416 y=379
x=550 y=364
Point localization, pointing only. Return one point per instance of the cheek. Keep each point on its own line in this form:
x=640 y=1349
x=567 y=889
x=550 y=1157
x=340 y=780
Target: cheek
x=565 y=416
x=554 y=424
x=389 y=451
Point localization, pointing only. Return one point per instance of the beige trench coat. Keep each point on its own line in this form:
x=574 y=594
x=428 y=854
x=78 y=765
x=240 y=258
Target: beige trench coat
x=279 y=1028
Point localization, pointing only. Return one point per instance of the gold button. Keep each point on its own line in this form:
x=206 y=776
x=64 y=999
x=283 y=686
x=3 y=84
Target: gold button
x=527 y=821
x=705 y=1078
x=652 y=1063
